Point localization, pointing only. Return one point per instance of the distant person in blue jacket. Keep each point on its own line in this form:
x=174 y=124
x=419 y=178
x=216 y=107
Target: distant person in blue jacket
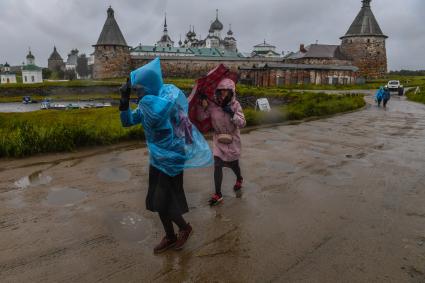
x=174 y=144
x=386 y=96
x=379 y=95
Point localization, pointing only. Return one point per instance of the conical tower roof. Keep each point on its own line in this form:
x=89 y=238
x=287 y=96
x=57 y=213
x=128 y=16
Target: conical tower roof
x=111 y=33
x=55 y=55
x=365 y=24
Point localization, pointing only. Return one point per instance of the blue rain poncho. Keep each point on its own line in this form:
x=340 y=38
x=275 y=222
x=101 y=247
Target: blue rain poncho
x=174 y=143
x=379 y=94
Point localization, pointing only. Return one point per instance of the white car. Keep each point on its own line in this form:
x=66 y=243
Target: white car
x=395 y=86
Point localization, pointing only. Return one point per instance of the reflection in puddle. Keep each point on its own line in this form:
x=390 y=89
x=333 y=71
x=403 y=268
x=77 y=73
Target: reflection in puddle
x=129 y=227
x=65 y=196
x=35 y=179
x=114 y=175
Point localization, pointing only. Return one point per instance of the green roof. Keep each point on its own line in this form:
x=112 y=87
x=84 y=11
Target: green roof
x=31 y=68
x=198 y=52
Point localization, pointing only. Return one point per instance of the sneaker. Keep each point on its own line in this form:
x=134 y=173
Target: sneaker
x=183 y=236
x=165 y=245
x=215 y=199
x=237 y=188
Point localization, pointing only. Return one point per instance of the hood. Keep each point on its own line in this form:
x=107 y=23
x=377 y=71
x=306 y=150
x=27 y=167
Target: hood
x=227 y=84
x=149 y=77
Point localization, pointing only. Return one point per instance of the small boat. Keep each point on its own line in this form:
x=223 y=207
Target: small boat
x=73 y=106
x=57 y=106
x=45 y=105
x=26 y=100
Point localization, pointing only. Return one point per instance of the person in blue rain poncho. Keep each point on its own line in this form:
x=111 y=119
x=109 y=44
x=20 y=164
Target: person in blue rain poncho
x=379 y=95
x=174 y=144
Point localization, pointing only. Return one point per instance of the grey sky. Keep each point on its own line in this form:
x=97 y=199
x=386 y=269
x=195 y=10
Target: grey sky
x=285 y=23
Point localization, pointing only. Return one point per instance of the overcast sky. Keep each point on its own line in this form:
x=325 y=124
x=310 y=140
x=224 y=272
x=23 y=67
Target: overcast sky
x=69 y=24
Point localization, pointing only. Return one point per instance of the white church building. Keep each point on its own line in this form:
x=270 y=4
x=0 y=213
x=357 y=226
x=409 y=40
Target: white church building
x=31 y=73
x=6 y=76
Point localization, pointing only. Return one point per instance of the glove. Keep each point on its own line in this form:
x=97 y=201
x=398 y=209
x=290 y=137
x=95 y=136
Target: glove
x=125 y=91
x=227 y=109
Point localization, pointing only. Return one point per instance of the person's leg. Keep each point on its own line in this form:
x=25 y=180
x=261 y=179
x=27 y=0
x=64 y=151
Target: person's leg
x=168 y=225
x=170 y=239
x=179 y=220
x=184 y=232
x=218 y=175
x=234 y=165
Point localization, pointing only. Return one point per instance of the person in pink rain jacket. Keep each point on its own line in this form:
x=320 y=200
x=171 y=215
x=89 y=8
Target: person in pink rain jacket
x=227 y=118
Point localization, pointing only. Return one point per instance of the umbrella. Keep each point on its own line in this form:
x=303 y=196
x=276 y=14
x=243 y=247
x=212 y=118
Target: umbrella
x=207 y=86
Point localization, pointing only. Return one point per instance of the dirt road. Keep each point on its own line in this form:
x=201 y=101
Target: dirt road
x=334 y=200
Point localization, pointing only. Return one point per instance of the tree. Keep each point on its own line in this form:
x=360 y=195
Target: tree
x=70 y=74
x=47 y=73
x=82 y=66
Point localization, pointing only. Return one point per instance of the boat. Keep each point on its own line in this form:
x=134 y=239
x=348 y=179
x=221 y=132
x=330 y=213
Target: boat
x=73 y=106
x=45 y=105
x=57 y=106
x=26 y=99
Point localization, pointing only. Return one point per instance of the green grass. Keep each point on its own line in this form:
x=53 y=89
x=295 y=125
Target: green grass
x=419 y=97
x=25 y=134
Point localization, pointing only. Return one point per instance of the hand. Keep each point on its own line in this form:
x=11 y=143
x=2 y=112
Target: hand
x=125 y=91
x=204 y=103
x=227 y=109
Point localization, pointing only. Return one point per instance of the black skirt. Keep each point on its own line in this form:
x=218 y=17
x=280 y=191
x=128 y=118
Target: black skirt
x=166 y=193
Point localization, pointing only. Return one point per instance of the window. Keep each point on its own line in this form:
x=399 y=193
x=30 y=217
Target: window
x=32 y=78
x=25 y=79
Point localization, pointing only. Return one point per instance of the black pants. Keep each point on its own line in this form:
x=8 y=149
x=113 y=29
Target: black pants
x=167 y=221
x=218 y=171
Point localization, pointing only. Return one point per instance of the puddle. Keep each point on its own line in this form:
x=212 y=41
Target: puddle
x=14 y=199
x=35 y=179
x=114 y=175
x=65 y=196
x=128 y=227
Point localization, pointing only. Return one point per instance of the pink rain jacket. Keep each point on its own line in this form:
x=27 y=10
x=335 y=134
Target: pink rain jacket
x=222 y=123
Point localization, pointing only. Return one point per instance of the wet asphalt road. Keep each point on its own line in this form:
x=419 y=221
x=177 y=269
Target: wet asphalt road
x=335 y=200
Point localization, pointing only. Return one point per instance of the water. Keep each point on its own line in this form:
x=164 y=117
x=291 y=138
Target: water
x=19 y=107
x=114 y=175
x=64 y=196
x=35 y=179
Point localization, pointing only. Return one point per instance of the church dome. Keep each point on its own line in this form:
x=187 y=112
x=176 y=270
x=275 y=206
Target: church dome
x=30 y=56
x=216 y=25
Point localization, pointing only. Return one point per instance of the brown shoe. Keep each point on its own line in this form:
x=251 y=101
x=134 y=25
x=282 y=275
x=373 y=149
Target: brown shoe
x=165 y=245
x=183 y=237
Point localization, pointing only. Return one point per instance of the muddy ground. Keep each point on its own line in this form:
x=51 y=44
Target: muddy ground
x=334 y=200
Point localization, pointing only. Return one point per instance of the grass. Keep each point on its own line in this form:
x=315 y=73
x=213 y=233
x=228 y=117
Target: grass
x=419 y=97
x=25 y=134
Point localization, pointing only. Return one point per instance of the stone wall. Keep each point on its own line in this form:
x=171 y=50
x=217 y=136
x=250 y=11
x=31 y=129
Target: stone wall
x=368 y=53
x=196 y=67
x=281 y=77
x=320 y=61
x=111 y=62
x=55 y=65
